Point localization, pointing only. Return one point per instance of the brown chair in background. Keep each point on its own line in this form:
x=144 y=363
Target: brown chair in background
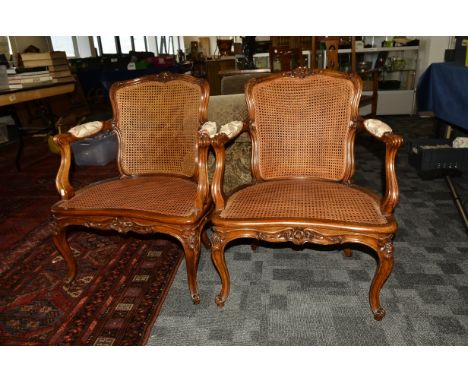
x=302 y=165
x=163 y=184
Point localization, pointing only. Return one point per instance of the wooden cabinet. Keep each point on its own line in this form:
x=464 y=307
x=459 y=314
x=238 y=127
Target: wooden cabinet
x=292 y=42
x=213 y=67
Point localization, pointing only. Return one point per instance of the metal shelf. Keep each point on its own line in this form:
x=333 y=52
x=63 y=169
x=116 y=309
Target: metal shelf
x=376 y=50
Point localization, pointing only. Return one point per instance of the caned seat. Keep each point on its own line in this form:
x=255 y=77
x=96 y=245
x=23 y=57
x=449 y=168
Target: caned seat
x=304 y=199
x=302 y=125
x=157 y=194
x=163 y=185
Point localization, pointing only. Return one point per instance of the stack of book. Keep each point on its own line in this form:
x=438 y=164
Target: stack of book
x=3 y=77
x=56 y=62
x=22 y=80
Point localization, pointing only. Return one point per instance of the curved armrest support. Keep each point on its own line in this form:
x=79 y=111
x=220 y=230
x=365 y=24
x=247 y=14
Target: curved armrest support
x=63 y=141
x=227 y=133
x=203 y=188
x=393 y=142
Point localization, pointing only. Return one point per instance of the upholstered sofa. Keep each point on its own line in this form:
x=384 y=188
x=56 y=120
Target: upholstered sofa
x=223 y=109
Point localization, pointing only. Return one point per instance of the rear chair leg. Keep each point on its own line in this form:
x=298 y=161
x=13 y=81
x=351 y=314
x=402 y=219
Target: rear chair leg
x=205 y=239
x=60 y=240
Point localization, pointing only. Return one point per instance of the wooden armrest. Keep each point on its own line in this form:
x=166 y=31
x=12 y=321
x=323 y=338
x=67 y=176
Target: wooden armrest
x=393 y=142
x=227 y=133
x=63 y=141
x=203 y=145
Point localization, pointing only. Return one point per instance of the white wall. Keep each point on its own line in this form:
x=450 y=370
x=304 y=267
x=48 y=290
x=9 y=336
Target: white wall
x=20 y=43
x=431 y=50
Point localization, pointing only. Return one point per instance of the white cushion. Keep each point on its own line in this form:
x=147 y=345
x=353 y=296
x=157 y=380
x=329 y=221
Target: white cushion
x=86 y=129
x=377 y=127
x=232 y=128
x=210 y=128
x=460 y=142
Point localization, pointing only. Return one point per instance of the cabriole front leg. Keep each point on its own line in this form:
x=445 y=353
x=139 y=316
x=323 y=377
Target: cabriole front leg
x=217 y=255
x=59 y=236
x=191 y=244
x=384 y=268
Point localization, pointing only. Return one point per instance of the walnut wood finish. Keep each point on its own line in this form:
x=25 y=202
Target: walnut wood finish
x=189 y=230
x=308 y=230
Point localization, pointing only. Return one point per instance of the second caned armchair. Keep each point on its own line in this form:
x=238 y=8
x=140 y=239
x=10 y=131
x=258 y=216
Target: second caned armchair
x=303 y=125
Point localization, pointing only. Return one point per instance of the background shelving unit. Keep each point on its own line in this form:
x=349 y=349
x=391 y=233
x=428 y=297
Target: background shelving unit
x=397 y=78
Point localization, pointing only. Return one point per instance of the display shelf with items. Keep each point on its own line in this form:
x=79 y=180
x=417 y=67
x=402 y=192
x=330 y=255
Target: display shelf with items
x=395 y=61
x=397 y=66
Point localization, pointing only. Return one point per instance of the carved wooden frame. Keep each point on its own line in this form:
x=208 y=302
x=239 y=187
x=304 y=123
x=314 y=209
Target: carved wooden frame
x=189 y=230
x=378 y=238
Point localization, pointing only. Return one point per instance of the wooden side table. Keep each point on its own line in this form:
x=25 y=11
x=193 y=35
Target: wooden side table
x=41 y=92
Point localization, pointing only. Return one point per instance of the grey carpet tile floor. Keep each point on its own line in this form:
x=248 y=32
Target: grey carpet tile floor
x=285 y=295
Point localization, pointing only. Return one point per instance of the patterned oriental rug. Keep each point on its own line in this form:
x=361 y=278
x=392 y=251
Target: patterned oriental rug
x=121 y=283
x=115 y=299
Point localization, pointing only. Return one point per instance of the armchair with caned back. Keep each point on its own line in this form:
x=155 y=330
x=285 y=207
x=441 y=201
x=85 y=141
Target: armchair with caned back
x=303 y=125
x=163 y=185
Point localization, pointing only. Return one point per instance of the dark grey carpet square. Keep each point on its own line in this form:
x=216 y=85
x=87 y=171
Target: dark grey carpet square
x=317 y=296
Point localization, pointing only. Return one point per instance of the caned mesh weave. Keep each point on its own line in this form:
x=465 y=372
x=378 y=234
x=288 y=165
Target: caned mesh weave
x=158 y=122
x=303 y=199
x=301 y=124
x=159 y=194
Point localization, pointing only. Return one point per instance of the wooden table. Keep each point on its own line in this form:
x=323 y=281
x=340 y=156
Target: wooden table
x=14 y=96
x=42 y=92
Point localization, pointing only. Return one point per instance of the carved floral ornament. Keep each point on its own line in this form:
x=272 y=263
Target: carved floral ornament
x=190 y=236
x=120 y=225
x=298 y=235
x=300 y=72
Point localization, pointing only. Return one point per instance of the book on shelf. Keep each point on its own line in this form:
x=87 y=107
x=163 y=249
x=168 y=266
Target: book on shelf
x=64 y=79
x=43 y=56
x=62 y=73
x=32 y=74
x=15 y=86
x=58 y=68
x=44 y=62
x=18 y=81
x=36 y=79
x=28 y=70
x=28 y=85
x=27 y=78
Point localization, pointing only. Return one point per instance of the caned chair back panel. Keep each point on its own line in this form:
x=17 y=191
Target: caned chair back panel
x=157 y=119
x=302 y=125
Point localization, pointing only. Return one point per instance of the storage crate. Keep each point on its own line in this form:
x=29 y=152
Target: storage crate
x=437 y=154
x=95 y=151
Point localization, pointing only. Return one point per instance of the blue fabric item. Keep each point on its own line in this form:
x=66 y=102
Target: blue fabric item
x=443 y=89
